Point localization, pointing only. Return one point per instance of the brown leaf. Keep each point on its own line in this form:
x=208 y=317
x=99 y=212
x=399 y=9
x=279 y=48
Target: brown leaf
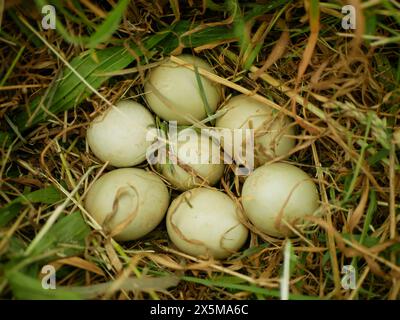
x=165 y=260
x=276 y=53
x=374 y=266
x=82 y=264
x=316 y=77
x=359 y=211
x=309 y=50
x=112 y=255
x=360 y=27
x=383 y=246
x=212 y=45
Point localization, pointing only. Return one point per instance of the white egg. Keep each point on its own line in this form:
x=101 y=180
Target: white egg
x=119 y=134
x=204 y=222
x=271 y=131
x=197 y=164
x=279 y=191
x=173 y=91
x=133 y=194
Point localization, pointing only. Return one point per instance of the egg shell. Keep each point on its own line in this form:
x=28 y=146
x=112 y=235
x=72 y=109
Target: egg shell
x=137 y=193
x=204 y=222
x=272 y=132
x=119 y=134
x=189 y=148
x=278 y=190
x=172 y=91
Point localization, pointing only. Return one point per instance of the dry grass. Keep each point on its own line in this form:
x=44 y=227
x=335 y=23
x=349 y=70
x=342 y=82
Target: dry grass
x=341 y=88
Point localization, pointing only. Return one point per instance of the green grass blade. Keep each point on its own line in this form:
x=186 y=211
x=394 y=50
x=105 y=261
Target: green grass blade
x=67 y=235
x=12 y=66
x=30 y=288
x=202 y=92
x=70 y=91
x=249 y=288
x=109 y=26
x=49 y=195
